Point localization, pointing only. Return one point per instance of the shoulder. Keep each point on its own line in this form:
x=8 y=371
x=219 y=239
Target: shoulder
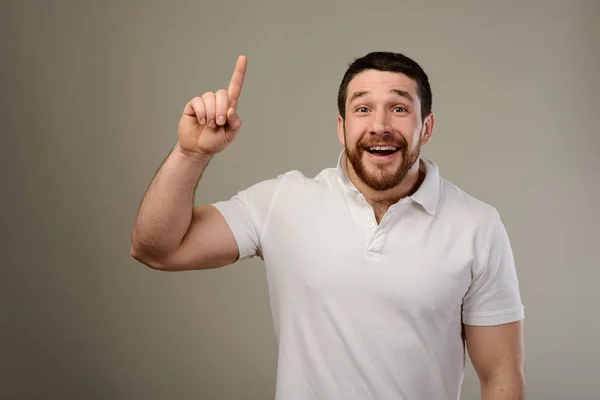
x=457 y=198
x=475 y=221
x=466 y=209
x=293 y=183
x=297 y=181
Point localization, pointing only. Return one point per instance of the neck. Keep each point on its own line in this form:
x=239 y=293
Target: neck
x=407 y=187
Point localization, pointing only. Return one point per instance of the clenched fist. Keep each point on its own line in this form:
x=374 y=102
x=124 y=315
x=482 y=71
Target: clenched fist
x=210 y=123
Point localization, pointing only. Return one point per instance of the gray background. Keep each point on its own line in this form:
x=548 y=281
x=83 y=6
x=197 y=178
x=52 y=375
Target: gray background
x=91 y=93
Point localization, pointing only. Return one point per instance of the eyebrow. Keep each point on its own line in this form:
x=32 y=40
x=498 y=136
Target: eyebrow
x=363 y=93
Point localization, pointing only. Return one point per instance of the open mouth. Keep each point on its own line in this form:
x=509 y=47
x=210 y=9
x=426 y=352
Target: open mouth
x=382 y=150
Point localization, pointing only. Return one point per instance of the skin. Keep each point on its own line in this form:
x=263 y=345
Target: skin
x=497 y=354
x=169 y=233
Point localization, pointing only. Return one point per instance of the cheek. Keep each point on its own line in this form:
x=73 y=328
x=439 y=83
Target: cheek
x=410 y=131
x=356 y=129
x=349 y=134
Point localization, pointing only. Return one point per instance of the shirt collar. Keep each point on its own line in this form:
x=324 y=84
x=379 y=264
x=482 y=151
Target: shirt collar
x=427 y=195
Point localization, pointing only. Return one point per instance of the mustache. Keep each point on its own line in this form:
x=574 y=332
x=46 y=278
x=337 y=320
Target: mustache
x=384 y=140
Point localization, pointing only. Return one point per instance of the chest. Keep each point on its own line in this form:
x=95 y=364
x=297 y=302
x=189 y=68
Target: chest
x=343 y=258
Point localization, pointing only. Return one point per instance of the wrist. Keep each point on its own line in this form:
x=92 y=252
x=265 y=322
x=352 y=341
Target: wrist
x=192 y=156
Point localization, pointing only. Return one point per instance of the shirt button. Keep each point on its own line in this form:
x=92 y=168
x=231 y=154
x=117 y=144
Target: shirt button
x=372 y=224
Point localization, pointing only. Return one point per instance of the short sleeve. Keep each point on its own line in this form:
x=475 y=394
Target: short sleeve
x=247 y=212
x=494 y=297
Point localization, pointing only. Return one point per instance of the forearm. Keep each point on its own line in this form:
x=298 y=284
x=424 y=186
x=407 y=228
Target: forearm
x=166 y=210
x=505 y=388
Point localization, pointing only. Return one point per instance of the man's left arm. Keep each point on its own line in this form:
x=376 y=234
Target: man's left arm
x=493 y=318
x=497 y=354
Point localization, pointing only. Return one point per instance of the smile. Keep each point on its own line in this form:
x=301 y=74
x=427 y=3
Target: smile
x=382 y=150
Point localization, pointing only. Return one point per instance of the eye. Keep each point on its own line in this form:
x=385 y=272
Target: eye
x=362 y=109
x=399 y=109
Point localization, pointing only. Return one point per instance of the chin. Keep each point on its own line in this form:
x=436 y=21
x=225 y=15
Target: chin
x=382 y=177
x=379 y=181
x=388 y=169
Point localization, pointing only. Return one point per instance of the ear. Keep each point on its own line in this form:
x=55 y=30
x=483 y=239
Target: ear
x=427 y=131
x=340 y=130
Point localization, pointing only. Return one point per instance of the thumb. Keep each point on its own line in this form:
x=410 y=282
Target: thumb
x=231 y=115
x=233 y=120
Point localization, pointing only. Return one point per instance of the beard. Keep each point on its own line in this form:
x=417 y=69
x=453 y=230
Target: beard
x=382 y=178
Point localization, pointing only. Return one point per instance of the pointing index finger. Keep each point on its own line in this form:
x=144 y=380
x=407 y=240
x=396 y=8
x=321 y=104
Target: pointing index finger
x=237 y=80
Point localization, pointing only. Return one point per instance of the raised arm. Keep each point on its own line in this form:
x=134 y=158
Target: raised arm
x=169 y=233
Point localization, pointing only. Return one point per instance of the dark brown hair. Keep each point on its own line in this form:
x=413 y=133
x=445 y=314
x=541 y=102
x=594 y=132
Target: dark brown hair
x=392 y=62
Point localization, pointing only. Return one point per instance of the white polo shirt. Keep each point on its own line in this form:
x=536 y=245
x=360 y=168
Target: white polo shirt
x=368 y=311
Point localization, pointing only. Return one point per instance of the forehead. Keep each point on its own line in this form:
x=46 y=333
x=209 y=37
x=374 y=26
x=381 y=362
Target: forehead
x=378 y=82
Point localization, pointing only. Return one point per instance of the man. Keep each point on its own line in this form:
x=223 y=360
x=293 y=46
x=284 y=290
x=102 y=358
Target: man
x=379 y=270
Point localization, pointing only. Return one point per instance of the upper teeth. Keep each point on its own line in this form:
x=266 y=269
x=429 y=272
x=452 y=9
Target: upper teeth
x=382 y=148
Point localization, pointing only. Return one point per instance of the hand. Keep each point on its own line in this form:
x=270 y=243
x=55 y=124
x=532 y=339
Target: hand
x=210 y=123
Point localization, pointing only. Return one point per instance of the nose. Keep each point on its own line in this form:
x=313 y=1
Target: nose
x=381 y=123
